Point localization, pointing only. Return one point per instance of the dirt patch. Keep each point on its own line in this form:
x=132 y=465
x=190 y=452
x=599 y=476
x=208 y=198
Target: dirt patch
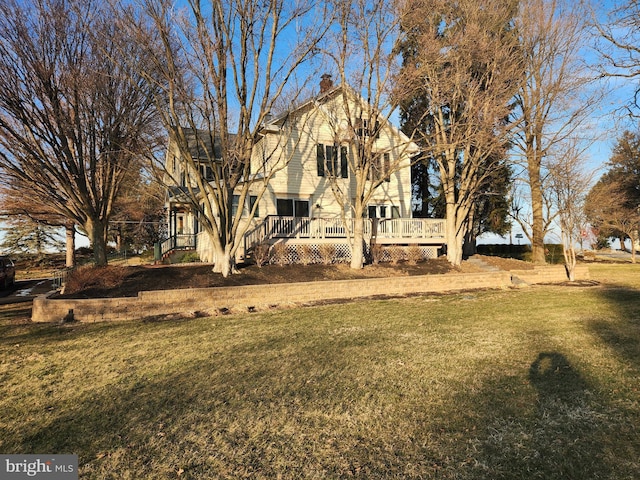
x=115 y=281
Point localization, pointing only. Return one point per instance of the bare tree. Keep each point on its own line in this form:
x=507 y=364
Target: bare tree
x=226 y=66
x=139 y=216
x=620 y=48
x=520 y=202
x=73 y=117
x=555 y=98
x=569 y=184
x=364 y=52
x=460 y=73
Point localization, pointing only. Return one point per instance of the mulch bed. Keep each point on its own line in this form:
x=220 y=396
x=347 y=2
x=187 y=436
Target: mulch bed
x=118 y=281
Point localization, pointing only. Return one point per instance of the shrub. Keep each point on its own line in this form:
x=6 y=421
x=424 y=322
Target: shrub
x=87 y=277
x=377 y=252
x=84 y=251
x=396 y=253
x=261 y=254
x=190 y=257
x=414 y=254
x=280 y=254
x=305 y=254
x=327 y=253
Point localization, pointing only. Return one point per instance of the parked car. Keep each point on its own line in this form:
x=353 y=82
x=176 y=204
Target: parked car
x=7 y=272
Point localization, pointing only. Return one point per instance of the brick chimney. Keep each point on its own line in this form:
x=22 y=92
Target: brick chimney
x=326 y=83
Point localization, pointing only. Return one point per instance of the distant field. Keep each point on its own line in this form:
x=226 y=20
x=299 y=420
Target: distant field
x=537 y=383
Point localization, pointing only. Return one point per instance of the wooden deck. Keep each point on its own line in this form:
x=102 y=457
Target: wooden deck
x=420 y=231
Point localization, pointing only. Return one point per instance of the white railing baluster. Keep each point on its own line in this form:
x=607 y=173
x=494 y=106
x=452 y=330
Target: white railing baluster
x=324 y=228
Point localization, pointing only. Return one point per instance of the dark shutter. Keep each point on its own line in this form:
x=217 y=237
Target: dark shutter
x=320 y=159
x=387 y=168
x=344 y=163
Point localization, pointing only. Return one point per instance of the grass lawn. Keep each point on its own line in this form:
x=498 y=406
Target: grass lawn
x=537 y=383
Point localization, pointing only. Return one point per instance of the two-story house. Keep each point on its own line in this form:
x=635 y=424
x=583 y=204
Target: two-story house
x=309 y=197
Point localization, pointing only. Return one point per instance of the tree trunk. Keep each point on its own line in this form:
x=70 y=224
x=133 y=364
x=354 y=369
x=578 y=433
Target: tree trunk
x=569 y=253
x=70 y=245
x=469 y=247
x=224 y=262
x=537 y=224
x=97 y=230
x=623 y=247
x=119 y=242
x=357 y=247
x=453 y=237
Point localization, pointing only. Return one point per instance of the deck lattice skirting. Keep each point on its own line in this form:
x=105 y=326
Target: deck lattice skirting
x=286 y=253
x=209 y=301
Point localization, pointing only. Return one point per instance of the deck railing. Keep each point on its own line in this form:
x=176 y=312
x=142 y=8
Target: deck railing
x=421 y=228
x=178 y=242
x=333 y=228
x=303 y=227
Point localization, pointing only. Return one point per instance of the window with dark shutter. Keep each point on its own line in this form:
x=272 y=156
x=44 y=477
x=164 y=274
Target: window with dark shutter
x=375 y=169
x=320 y=159
x=331 y=158
x=359 y=127
x=387 y=168
x=344 y=163
x=367 y=128
x=252 y=201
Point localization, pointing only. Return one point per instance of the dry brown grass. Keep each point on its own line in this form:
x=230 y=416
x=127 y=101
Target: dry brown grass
x=517 y=384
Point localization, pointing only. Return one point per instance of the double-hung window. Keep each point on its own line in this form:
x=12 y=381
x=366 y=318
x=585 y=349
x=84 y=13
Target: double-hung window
x=383 y=211
x=380 y=167
x=332 y=161
x=252 y=199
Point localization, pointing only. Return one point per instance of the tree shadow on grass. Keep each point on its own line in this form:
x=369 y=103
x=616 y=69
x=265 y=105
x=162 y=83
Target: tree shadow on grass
x=623 y=333
x=236 y=414
x=560 y=438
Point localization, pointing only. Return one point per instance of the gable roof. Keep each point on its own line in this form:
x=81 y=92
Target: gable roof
x=202 y=143
x=323 y=97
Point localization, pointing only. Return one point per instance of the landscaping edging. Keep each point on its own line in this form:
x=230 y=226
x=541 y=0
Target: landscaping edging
x=209 y=301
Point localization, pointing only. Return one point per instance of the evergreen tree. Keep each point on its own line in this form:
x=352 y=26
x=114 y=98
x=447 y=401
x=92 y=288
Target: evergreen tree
x=459 y=75
x=611 y=212
x=23 y=235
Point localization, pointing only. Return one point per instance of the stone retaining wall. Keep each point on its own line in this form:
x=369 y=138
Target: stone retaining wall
x=209 y=301
x=550 y=274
